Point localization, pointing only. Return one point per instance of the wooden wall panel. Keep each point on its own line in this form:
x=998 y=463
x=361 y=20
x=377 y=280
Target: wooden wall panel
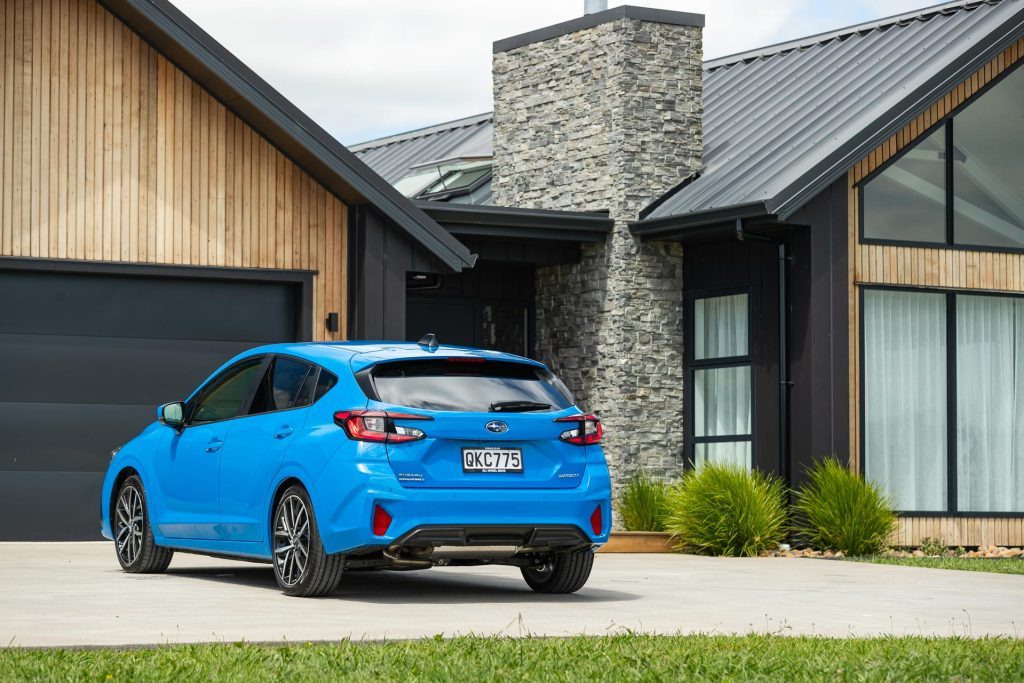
x=959 y=531
x=927 y=267
x=111 y=153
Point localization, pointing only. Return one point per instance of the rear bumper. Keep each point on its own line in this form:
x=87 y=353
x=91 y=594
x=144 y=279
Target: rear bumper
x=346 y=492
x=544 y=535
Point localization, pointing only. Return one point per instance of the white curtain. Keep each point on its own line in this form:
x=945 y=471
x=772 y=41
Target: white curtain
x=905 y=397
x=735 y=453
x=720 y=327
x=722 y=401
x=990 y=404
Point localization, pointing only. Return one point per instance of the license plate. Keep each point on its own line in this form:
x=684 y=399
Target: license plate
x=492 y=460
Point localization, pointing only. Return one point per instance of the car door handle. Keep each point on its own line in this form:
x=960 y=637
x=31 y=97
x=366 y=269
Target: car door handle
x=214 y=446
x=283 y=432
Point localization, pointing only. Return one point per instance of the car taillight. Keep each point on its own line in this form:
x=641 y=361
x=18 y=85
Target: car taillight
x=381 y=520
x=587 y=432
x=596 y=523
x=378 y=426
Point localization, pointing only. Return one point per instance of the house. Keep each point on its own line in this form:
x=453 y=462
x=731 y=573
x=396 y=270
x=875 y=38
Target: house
x=762 y=259
x=817 y=246
x=162 y=208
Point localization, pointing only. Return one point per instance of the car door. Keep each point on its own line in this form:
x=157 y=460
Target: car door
x=256 y=449
x=188 y=464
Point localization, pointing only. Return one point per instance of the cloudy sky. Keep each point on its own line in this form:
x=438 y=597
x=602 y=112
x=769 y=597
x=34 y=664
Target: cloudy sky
x=367 y=68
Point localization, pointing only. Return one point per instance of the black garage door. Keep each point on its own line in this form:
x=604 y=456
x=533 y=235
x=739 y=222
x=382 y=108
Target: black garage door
x=84 y=361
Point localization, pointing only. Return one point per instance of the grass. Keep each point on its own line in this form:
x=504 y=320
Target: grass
x=997 y=565
x=624 y=657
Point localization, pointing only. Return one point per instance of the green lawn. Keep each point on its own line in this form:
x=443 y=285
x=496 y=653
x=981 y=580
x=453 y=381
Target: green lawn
x=626 y=657
x=1001 y=565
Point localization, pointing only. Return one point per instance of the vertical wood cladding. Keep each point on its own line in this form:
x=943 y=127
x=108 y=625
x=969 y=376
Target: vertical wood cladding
x=929 y=267
x=111 y=153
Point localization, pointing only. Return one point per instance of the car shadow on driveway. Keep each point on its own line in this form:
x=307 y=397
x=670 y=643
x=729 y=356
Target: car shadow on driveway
x=426 y=586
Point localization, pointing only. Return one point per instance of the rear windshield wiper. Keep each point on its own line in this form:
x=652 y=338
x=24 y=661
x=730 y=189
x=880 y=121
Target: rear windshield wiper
x=518 y=406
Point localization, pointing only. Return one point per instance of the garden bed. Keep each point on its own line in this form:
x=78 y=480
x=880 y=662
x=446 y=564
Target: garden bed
x=639 y=542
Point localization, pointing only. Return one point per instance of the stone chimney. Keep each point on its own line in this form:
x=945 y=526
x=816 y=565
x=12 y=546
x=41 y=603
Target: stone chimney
x=604 y=113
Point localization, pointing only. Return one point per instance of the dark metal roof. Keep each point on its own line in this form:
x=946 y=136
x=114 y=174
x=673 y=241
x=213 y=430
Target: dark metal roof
x=253 y=100
x=395 y=156
x=782 y=123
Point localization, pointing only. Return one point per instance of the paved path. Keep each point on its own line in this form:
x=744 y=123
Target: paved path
x=75 y=594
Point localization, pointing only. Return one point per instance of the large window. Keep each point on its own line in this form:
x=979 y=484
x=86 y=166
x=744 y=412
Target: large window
x=721 y=380
x=962 y=184
x=943 y=400
x=905 y=397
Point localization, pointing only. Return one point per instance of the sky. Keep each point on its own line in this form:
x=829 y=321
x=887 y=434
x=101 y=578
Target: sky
x=363 y=69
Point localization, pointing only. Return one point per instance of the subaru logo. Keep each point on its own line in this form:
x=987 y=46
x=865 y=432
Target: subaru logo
x=496 y=426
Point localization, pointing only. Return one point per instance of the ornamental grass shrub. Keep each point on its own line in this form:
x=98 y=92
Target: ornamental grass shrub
x=836 y=509
x=725 y=510
x=641 y=506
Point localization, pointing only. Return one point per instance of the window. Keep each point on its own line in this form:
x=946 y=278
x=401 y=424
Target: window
x=721 y=381
x=324 y=383
x=468 y=385
x=226 y=395
x=910 y=401
x=988 y=180
x=990 y=403
x=907 y=201
x=457 y=180
x=961 y=185
x=288 y=384
x=905 y=397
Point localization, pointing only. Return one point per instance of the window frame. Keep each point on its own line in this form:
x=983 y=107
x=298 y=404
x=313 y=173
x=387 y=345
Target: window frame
x=951 y=394
x=692 y=365
x=947 y=123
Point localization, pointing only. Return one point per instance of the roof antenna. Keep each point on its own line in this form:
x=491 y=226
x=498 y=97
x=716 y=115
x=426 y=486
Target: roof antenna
x=429 y=342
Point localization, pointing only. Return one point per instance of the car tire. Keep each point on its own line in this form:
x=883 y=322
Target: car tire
x=294 y=533
x=136 y=550
x=563 y=573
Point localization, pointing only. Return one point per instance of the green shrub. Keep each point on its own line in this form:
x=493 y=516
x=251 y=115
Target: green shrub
x=724 y=510
x=837 y=509
x=642 y=503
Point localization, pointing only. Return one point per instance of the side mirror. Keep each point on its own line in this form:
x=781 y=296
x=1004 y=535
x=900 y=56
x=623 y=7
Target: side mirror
x=172 y=415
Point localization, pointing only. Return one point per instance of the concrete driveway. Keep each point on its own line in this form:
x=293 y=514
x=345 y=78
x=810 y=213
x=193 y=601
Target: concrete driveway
x=75 y=594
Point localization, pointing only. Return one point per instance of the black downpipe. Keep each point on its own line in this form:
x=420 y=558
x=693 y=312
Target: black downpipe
x=784 y=381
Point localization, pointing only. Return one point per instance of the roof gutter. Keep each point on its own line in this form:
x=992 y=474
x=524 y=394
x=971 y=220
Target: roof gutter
x=253 y=100
x=538 y=224
x=700 y=224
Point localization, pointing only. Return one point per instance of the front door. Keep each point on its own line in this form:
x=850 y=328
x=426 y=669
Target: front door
x=188 y=464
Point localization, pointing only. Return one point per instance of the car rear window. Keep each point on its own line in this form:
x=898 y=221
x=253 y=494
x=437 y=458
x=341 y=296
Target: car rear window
x=468 y=385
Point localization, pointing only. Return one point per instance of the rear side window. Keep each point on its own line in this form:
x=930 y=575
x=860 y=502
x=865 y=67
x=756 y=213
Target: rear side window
x=468 y=386
x=290 y=383
x=324 y=383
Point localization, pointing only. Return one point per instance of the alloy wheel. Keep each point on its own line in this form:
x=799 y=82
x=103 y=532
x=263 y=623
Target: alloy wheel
x=129 y=514
x=291 y=540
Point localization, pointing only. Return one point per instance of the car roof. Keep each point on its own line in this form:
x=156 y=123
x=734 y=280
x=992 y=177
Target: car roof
x=358 y=355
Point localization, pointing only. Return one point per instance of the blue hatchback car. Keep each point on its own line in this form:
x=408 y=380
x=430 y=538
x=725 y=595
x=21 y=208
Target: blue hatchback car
x=325 y=457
